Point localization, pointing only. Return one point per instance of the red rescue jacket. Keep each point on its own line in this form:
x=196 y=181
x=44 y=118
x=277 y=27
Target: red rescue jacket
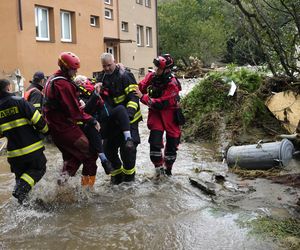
x=62 y=109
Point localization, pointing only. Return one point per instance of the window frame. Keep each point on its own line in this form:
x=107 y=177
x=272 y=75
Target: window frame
x=139 y=2
x=94 y=23
x=39 y=38
x=139 y=35
x=109 y=11
x=62 y=39
x=148 y=3
x=125 y=24
x=148 y=37
x=108 y=2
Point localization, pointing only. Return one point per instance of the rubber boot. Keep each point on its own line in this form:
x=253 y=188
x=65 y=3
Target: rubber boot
x=21 y=191
x=87 y=182
x=129 y=178
x=92 y=180
x=168 y=169
x=117 y=179
x=159 y=172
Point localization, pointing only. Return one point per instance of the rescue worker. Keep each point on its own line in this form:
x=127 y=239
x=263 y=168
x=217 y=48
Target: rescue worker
x=62 y=112
x=34 y=92
x=159 y=90
x=118 y=87
x=21 y=123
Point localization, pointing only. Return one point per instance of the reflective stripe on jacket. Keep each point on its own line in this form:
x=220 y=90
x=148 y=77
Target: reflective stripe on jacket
x=118 y=89
x=21 y=123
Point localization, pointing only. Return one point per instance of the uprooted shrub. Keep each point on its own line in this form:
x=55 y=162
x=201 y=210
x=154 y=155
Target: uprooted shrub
x=208 y=104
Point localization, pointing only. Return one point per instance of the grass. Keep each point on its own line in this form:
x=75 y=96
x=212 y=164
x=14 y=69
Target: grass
x=286 y=231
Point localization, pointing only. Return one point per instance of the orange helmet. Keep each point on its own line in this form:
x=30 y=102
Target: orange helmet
x=69 y=60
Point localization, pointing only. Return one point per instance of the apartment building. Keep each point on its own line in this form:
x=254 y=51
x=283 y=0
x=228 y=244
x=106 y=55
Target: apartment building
x=130 y=33
x=34 y=32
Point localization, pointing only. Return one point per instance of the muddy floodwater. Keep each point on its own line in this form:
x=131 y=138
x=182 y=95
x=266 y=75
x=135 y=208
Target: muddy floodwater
x=146 y=214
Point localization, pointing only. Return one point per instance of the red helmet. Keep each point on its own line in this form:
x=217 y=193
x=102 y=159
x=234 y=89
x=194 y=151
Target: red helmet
x=69 y=60
x=164 y=62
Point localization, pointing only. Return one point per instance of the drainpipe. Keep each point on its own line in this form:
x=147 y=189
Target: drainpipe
x=20 y=14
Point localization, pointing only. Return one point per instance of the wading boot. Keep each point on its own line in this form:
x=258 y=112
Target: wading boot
x=87 y=182
x=168 y=171
x=129 y=178
x=21 y=191
x=116 y=179
x=159 y=172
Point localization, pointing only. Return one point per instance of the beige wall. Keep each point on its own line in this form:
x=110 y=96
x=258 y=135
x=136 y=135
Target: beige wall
x=20 y=50
x=135 y=14
x=35 y=55
x=111 y=26
x=8 y=32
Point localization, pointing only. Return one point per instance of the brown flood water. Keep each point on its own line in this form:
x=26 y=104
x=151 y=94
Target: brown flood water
x=170 y=214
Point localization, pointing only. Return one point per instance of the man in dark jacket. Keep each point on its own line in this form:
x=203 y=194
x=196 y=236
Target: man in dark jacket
x=34 y=93
x=118 y=87
x=21 y=123
x=62 y=112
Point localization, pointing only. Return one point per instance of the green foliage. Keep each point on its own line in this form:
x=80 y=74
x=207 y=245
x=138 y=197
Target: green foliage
x=273 y=28
x=194 y=28
x=251 y=105
x=208 y=102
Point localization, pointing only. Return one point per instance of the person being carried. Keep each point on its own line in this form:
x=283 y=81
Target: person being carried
x=90 y=94
x=62 y=112
x=34 y=93
x=159 y=90
x=22 y=124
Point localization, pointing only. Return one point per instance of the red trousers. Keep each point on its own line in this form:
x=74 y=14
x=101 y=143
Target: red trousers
x=163 y=120
x=75 y=150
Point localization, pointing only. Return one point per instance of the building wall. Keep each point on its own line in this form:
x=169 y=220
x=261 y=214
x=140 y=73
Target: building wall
x=33 y=55
x=111 y=26
x=134 y=56
x=8 y=33
x=20 y=49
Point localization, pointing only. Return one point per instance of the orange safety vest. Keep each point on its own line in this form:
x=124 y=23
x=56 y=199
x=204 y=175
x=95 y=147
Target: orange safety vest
x=28 y=93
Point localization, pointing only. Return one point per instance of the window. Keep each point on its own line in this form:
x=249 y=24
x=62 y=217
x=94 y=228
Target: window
x=94 y=21
x=42 y=24
x=108 y=1
x=139 y=1
x=124 y=26
x=148 y=37
x=108 y=13
x=110 y=50
x=66 y=28
x=148 y=3
x=139 y=35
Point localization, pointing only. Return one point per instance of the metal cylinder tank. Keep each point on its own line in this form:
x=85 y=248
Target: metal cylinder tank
x=261 y=156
